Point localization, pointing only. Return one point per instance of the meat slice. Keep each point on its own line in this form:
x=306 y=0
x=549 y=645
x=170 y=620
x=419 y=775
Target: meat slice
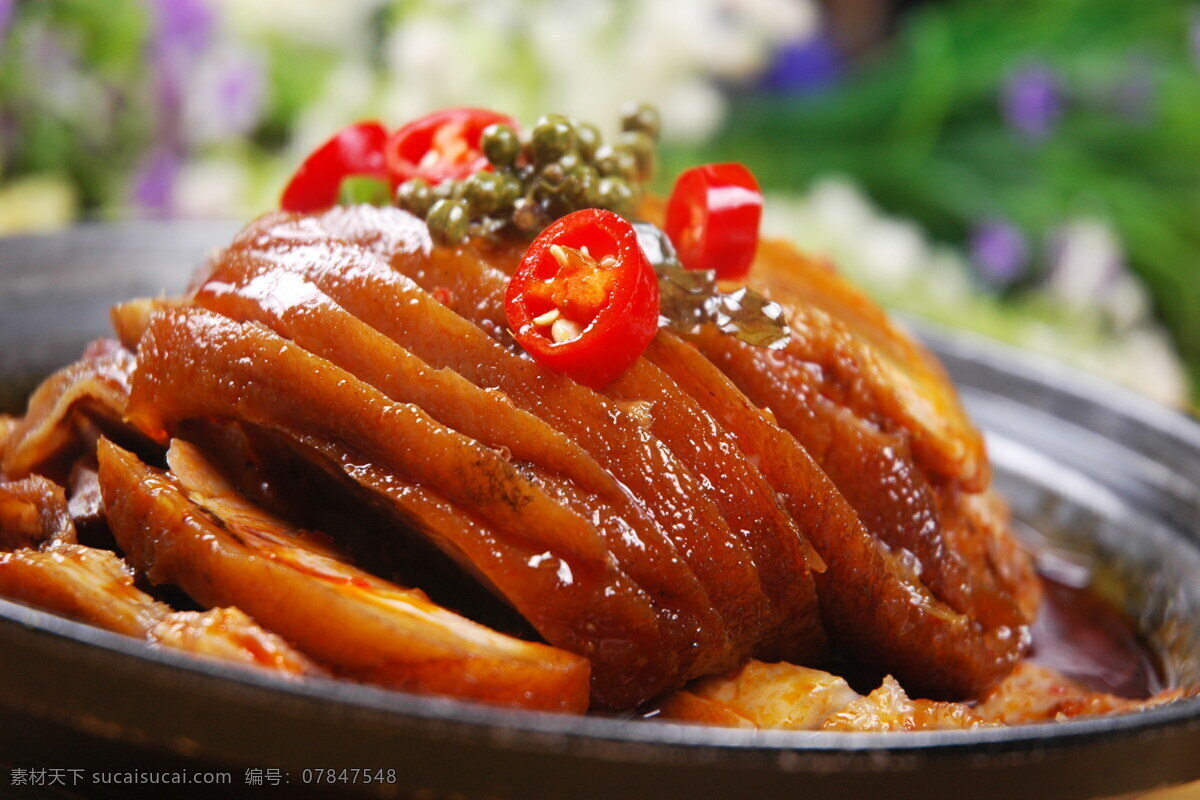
x=194 y=364
x=62 y=412
x=251 y=287
x=870 y=365
x=247 y=285
x=34 y=513
x=947 y=622
x=472 y=282
x=661 y=488
x=46 y=568
x=247 y=372
x=8 y=423
x=96 y=587
x=197 y=533
x=888 y=436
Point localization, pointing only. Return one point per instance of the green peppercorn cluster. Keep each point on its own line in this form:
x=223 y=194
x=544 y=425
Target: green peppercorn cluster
x=558 y=167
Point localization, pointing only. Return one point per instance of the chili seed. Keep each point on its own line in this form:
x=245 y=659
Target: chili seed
x=546 y=319
x=564 y=330
x=559 y=254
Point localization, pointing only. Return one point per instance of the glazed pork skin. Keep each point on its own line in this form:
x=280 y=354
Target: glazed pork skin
x=44 y=567
x=201 y=535
x=683 y=470
x=708 y=582
x=91 y=391
x=925 y=579
x=96 y=587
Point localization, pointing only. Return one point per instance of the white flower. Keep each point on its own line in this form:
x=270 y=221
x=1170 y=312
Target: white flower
x=223 y=95
x=212 y=187
x=1086 y=255
x=343 y=25
x=892 y=251
x=691 y=109
x=1125 y=301
x=1147 y=362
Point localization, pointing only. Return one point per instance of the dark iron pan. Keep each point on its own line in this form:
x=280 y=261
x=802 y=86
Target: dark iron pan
x=1096 y=469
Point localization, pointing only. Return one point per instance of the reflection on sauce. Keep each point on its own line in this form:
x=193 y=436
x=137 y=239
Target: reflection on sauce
x=1085 y=638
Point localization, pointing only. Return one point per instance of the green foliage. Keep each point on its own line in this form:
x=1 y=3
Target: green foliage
x=72 y=74
x=921 y=128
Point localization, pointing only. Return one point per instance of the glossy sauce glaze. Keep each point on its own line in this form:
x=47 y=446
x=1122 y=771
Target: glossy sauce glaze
x=1081 y=635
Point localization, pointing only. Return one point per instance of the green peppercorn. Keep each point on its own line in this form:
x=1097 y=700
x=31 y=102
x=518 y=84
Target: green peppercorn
x=448 y=221
x=615 y=194
x=528 y=216
x=509 y=190
x=414 y=197
x=500 y=144
x=641 y=117
x=569 y=161
x=489 y=227
x=616 y=163
x=581 y=185
x=484 y=192
x=641 y=146
x=587 y=139
x=552 y=138
x=446 y=190
x=551 y=176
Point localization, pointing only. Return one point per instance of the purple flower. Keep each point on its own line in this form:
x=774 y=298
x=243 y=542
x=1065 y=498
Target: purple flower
x=240 y=91
x=807 y=65
x=182 y=27
x=6 y=9
x=183 y=30
x=999 y=252
x=1031 y=101
x=153 y=187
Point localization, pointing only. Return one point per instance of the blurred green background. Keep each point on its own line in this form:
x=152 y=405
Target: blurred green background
x=1029 y=170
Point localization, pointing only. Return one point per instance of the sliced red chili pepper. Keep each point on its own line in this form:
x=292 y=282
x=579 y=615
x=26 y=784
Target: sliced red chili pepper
x=442 y=146
x=584 y=300
x=713 y=217
x=354 y=151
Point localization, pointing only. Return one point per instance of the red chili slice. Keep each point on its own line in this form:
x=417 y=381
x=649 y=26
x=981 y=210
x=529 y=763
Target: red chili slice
x=355 y=150
x=713 y=217
x=584 y=300
x=442 y=146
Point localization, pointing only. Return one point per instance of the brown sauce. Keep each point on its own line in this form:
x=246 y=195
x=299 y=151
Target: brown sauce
x=1082 y=636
